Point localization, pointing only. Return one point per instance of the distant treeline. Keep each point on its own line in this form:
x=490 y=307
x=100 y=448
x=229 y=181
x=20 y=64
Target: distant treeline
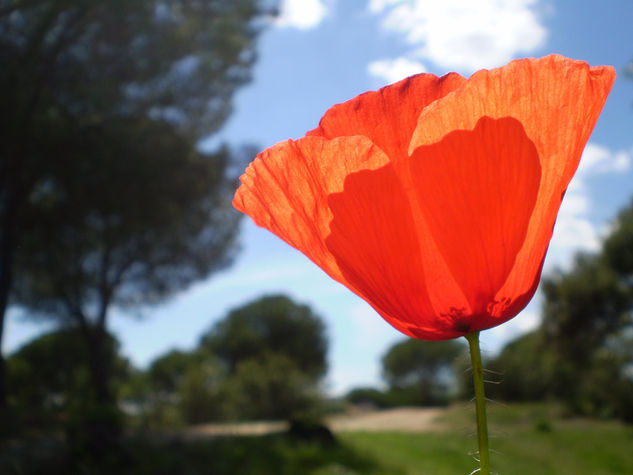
x=264 y=360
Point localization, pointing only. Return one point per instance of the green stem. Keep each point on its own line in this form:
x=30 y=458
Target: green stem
x=480 y=403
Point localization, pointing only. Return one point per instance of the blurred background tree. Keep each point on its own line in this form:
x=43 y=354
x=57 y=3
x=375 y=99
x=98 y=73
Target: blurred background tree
x=136 y=220
x=583 y=352
x=185 y=388
x=104 y=198
x=48 y=374
x=416 y=373
x=265 y=360
x=524 y=371
x=274 y=352
x=422 y=372
x=588 y=322
x=273 y=324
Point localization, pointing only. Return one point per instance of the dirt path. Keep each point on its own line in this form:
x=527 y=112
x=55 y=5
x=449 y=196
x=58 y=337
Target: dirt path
x=405 y=419
x=400 y=420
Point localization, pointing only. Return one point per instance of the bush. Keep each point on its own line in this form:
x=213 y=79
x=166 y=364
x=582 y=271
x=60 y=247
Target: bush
x=272 y=387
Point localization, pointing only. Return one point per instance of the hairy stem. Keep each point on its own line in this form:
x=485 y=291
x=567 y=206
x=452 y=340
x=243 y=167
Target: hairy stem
x=480 y=403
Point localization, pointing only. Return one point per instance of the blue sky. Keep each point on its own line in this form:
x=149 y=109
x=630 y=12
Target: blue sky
x=320 y=52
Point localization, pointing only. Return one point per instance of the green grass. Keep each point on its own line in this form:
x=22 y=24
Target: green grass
x=527 y=439
x=531 y=439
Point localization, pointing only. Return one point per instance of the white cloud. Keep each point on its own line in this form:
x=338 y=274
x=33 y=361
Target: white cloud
x=301 y=14
x=392 y=70
x=592 y=155
x=600 y=159
x=464 y=36
x=376 y=6
x=574 y=233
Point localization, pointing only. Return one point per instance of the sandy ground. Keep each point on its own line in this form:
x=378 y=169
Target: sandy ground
x=400 y=420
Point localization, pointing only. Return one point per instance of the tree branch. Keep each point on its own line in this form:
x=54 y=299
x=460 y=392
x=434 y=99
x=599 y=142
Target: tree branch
x=18 y=5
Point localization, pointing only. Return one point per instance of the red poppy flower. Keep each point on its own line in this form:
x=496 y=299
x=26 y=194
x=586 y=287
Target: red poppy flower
x=434 y=199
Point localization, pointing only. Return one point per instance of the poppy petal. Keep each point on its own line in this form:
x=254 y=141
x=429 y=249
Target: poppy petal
x=387 y=116
x=285 y=190
x=558 y=101
x=374 y=237
x=477 y=190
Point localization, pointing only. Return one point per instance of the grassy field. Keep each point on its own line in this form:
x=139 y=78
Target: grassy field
x=529 y=439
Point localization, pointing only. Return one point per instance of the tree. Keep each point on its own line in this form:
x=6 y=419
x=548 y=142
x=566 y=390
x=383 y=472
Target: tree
x=202 y=393
x=273 y=324
x=48 y=375
x=582 y=307
x=75 y=69
x=368 y=396
x=264 y=360
x=525 y=369
x=274 y=354
x=186 y=387
x=166 y=373
x=272 y=386
x=587 y=325
x=422 y=371
x=101 y=89
x=139 y=219
x=618 y=250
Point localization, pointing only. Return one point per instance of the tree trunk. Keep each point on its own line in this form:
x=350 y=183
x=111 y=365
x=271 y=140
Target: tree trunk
x=99 y=424
x=7 y=253
x=99 y=365
x=3 y=389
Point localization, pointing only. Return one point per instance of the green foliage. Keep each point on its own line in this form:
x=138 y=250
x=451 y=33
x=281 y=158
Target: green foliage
x=153 y=217
x=422 y=372
x=368 y=397
x=531 y=369
x=166 y=373
x=104 y=198
x=51 y=371
x=618 y=247
x=202 y=394
x=583 y=307
x=274 y=353
x=525 y=370
x=179 y=388
x=273 y=387
x=102 y=107
x=179 y=60
x=273 y=324
x=50 y=389
x=249 y=366
x=582 y=354
x=606 y=388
